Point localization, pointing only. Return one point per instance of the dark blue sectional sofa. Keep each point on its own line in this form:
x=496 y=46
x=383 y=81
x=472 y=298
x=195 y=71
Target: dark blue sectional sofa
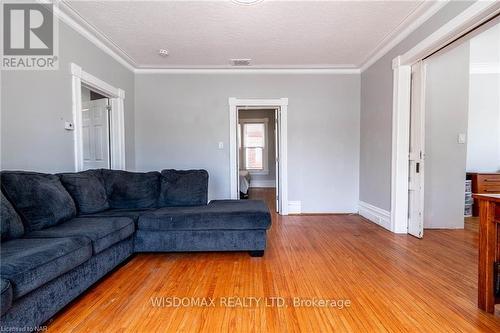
x=62 y=233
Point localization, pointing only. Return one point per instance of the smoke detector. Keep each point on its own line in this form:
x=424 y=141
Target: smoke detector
x=163 y=52
x=241 y=62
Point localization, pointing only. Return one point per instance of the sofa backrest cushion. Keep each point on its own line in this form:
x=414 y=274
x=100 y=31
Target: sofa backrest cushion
x=183 y=188
x=133 y=190
x=12 y=226
x=40 y=199
x=87 y=189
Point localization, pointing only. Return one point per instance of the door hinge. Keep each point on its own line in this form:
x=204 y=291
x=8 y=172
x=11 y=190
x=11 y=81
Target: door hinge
x=108 y=107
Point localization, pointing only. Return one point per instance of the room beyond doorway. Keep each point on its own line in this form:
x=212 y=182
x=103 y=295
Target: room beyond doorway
x=280 y=157
x=257 y=149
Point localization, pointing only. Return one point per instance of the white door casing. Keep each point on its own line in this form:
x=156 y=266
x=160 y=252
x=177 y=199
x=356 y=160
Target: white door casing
x=282 y=105
x=417 y=151
x=116 y=118
x=95 y=134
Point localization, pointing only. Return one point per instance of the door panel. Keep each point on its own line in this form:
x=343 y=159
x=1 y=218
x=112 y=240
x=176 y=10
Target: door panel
x=446 y=105
x=416 y=160
x=95 y=132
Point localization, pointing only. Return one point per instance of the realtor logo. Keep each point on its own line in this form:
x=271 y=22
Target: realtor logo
x=29 y=36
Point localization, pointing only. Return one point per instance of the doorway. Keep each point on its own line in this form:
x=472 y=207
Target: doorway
x=454 y=131
x=258 y=148
x=107 y=147
x=95 y=130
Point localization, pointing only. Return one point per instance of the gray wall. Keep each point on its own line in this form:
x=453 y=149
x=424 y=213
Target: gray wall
x=180 y=118
x=35 y=105
x=376 y=112
x=271 y=148
x=483 y=144
x=446 y=112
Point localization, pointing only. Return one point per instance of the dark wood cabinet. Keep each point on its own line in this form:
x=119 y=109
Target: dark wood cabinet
x=484 y=183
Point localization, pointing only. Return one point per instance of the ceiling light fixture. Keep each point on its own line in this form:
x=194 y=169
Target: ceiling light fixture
x=163 y=52
x=246 y=2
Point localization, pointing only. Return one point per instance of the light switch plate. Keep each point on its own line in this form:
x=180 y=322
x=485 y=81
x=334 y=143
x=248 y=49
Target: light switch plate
x=221 y=145
x=462 y=138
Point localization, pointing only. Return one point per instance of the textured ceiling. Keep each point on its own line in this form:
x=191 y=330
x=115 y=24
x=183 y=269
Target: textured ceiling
x=276 y=34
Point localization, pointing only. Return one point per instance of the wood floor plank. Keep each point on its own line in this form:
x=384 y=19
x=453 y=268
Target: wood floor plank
x=395 y=283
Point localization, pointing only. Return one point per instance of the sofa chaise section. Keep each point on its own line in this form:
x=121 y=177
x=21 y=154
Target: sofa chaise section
x=222 y=225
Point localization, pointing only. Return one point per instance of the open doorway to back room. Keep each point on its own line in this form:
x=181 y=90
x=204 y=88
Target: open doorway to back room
x=257 y=147
x=95 y=130
x=455 y=132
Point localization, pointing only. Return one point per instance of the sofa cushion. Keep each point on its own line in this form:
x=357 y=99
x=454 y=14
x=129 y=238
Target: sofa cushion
x=103 y=232
x=6 y=297
x=29 y=263
x=132 y=190
x=219 y=214
x=87 y=189
x=11 y=224
x=40 y=199
x=183 y=188
x=130 y=213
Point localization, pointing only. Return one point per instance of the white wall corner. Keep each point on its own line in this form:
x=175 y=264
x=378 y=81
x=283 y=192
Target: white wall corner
x=376 y=215
x=294 y=207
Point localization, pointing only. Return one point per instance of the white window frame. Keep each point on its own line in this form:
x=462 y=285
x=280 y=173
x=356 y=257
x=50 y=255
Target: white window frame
x=117 y=120
x=265 y=151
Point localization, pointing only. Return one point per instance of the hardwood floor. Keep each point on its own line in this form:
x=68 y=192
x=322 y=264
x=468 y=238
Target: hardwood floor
x=394 y=282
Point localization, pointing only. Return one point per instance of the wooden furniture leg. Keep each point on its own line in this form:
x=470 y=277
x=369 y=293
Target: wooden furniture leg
x=487 y=249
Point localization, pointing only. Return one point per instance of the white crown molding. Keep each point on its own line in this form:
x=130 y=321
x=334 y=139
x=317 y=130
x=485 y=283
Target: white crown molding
x=348 y=71
x=418 y=17
x=473 y=16
x=67 y=15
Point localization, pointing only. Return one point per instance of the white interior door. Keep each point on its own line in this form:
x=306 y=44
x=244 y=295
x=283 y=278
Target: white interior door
x=95 y=133
x=416 y=157
x=277 y=157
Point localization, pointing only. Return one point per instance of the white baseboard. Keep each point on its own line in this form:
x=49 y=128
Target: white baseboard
x=375 y=214
x=262 y=183
x=294 y=207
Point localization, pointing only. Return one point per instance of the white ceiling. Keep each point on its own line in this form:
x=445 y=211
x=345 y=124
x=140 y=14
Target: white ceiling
x=274 y=34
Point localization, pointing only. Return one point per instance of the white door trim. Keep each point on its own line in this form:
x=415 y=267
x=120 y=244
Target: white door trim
x=282 y=104
x=469 y=19
x=117 y=130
